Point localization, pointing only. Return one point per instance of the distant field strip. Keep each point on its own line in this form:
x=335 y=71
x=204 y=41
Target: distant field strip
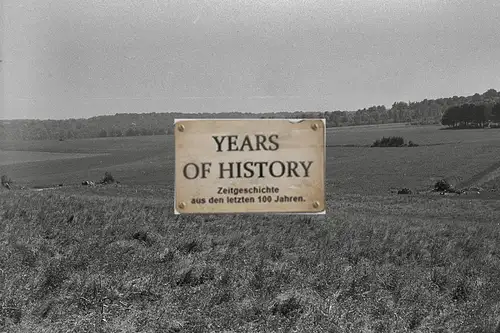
x=369 y=145
x=14 y=157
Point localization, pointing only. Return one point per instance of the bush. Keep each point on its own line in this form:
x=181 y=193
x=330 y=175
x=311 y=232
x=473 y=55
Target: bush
x=108 y=178
x=442 y=185
x=392 y=141
x=412 y=144
x=5 y=180
x=405 y=191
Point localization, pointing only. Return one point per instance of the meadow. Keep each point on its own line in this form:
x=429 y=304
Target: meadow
x=115 y=258
x=353 y=167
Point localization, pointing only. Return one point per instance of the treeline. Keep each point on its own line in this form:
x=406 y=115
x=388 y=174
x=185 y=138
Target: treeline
x=471 y=115
x=428 y=111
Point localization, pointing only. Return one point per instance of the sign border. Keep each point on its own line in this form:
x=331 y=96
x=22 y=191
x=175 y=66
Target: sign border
x=323 y=212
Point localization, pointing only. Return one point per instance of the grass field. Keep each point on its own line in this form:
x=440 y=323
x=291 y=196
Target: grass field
x=353 y=166
x=115 y=259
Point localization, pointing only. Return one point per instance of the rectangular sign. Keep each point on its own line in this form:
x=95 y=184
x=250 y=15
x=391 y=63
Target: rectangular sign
x=249 y=166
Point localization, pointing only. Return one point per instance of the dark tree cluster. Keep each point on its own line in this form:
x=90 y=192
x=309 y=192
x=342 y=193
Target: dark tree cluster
x=471 y=115
x=393 y=141
x=495 y=113
x=428 y=111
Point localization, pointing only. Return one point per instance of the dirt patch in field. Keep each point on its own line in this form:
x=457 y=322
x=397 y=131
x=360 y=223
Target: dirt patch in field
x=488 y=175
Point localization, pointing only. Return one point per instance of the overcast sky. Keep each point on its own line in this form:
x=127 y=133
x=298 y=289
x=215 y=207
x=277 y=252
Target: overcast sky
x=70 y=59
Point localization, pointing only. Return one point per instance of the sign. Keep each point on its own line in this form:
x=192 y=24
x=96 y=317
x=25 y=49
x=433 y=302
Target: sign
x=249 y=166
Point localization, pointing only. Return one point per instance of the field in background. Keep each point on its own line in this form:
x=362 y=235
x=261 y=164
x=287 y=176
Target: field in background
x=137 y=160
x=424 y=135
x=115 y=259
x=352 y=166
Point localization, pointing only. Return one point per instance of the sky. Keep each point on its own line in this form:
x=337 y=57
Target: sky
x=72 y=59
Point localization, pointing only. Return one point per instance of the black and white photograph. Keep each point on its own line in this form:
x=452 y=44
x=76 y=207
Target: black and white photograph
x=191 y=166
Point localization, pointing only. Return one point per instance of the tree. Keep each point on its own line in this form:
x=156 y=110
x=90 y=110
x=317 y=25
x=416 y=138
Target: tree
x=103 y=133
x=114 y=132
x=491 y=93
x=476 y=97
x=479 y=112
x=495 y=113
x=447 y=119
x=130 y=132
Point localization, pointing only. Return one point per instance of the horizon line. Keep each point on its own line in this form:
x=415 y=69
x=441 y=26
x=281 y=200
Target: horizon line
x=221 y=97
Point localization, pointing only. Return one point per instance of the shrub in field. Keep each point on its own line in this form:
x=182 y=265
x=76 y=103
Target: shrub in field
x=391 y=141
x=442 y=185
x=412 y=144
x=5 y=181
x=405 y=191
x=108 y=178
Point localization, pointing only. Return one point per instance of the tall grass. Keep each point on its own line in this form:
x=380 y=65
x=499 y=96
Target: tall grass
x=95 y=264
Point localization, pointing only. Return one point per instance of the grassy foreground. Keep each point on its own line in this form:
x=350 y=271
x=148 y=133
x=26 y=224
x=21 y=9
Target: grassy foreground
x=88 y=263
